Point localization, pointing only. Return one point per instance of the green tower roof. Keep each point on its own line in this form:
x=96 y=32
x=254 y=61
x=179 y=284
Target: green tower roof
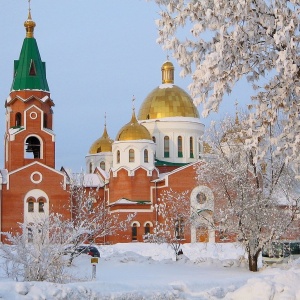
x=29 y=70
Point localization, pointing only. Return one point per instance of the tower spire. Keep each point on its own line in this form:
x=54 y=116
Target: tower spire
x=29 y=24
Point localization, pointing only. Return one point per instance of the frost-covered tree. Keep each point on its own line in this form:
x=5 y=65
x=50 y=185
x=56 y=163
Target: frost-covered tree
x=91 y=218
x=219 y=42
x=36 y=252
x=173 y=221
x=258 y=198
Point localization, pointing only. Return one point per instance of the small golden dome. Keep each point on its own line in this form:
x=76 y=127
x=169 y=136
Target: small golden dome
x=29 y=24
x=103 y=144
x=133 y=131
x=167 y=100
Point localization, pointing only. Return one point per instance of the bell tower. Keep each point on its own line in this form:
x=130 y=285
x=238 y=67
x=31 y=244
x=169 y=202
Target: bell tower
x=29 y=134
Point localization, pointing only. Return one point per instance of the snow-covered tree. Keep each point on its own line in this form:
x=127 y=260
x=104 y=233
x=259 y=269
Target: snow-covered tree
x=36 y=252
x=258 y=198
x=219 y=42
x=91 y=218
x=173 y=222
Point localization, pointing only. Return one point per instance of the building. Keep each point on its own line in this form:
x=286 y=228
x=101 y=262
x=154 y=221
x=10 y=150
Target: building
x=156 y=151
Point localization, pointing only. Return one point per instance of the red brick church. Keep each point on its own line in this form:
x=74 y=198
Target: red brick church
x=154 y=152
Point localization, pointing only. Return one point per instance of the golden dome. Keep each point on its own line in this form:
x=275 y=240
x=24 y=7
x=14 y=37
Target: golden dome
x=133 y=131
x=167 y=100
x=29 y=24
x=103 y=144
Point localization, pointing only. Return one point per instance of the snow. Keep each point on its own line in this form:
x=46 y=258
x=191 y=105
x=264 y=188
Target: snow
x=148 y=271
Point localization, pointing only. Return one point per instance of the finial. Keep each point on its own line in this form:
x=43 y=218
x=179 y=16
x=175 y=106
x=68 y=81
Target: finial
x=105 y=119
x=133 y=99
x=29 y=24
x=168 y=58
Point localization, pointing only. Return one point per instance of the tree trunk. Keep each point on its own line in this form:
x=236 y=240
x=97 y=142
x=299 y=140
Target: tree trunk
x=253 y=261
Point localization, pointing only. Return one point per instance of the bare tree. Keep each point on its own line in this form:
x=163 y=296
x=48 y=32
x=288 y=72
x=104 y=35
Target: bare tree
x=173 y=210
x=220 y=42
x=260 y=198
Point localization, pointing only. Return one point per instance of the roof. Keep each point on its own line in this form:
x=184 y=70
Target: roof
x=29 y=70
x=159 y=163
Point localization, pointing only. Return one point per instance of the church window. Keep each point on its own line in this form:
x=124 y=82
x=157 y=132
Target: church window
x=179 y=229
x=18 y=119
x=201 y=198
x=41 y=205
x=166 y=146
x=29 y=235
x=131 y=155
x=191 y=148
x=30 y=205
x=134 y=232
x=118 y=156
x=102 y=165
x=91 y=167
x=179 y=141
x=154 y=139
x=147 y=228
x=32 y=70
x=32 y=147
x=146 y=158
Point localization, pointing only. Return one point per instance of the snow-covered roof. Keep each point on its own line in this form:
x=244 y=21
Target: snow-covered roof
x=92 y=180
x=14 y=130
x=127 y=201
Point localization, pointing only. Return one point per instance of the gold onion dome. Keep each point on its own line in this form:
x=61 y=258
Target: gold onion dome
x=103 y=144
x=167 y=100
x=29 y=24
x=133 y=131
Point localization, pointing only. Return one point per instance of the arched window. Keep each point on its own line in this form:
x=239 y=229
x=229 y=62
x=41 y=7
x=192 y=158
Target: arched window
x=154 y=139
x=29 y=235
x=166 y=146
x=134 y=231
x=179 y=142
x=18 y=119
x=45 y=121
x=179 y=229
x=32 y=147
x=147 y=228
x=102 y=165
x=30 y=205
x=191 y=148
x=41 y=202
x=91 y=167
x=118 y=156
x=131 y=155
x=146 y=158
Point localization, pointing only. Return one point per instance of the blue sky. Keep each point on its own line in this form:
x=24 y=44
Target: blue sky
x=98 y=54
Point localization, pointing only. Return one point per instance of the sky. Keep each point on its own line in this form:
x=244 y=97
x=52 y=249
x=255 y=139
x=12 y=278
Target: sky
x=148 y=271
x=98 y=55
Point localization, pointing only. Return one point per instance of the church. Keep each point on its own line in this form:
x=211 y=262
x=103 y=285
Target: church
x=153 y=152
x=156 y=151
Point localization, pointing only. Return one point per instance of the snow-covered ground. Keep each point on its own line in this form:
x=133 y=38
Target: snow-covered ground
x=148 y=271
